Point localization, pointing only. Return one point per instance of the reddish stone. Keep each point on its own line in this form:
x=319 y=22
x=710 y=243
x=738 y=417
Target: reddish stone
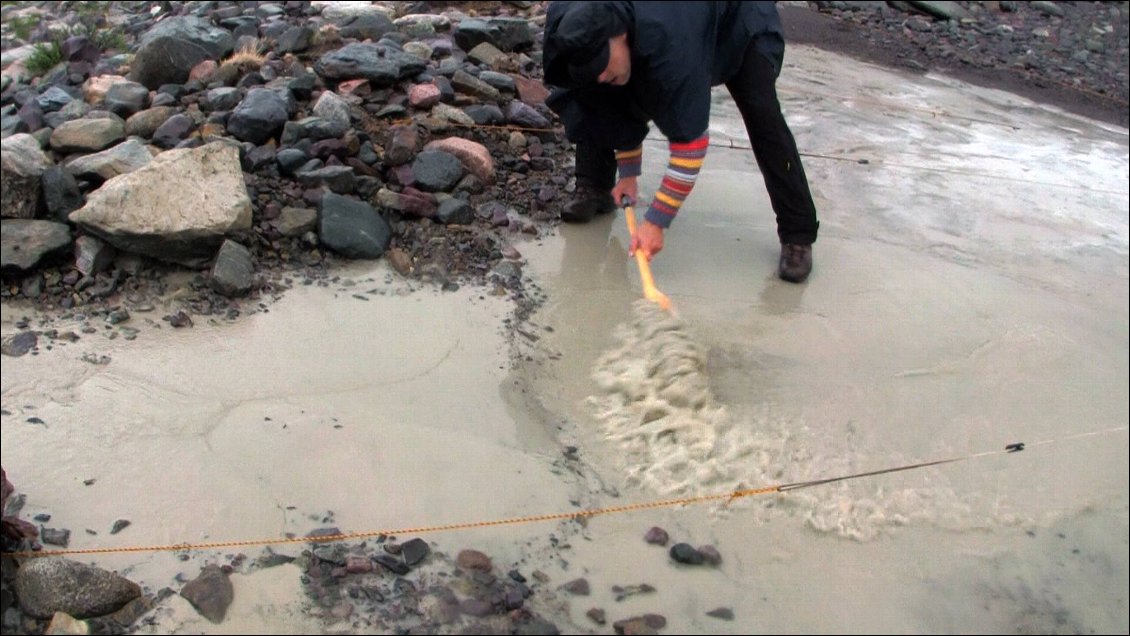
x=474 y=156
x=530 y=91
x=203 y=71
x=423 y=95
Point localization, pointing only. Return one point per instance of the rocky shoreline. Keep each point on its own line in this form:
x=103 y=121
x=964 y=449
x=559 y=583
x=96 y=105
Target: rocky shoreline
x=418 y=126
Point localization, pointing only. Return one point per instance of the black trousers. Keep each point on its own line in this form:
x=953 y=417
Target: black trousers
x=754 y=90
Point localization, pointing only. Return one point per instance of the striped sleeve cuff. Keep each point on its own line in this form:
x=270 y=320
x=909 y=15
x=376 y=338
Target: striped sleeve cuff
x=630 y=162
x=682 y=171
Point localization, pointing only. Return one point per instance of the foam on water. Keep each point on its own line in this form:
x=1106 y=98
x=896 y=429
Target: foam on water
x=670 y=436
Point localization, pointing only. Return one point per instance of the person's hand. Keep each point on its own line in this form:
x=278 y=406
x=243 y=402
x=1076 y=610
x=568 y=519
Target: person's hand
x=648 y=239
x=626 y=187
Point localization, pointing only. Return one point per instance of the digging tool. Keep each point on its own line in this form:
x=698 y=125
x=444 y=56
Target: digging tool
x=649 y=290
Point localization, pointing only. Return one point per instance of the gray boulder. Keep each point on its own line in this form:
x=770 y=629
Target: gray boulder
x=53 y=584
x=126 y=98
x=122 y=158
x=380 y=65
x=22 y=164
x=169 y=50
x=233 y=270
x=260 y=116
x=25 y=243
x=211 y=593
x=88 y=135
x=437 y=171
x=352 y=228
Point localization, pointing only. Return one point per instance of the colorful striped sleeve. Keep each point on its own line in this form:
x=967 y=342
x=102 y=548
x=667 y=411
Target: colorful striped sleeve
x=682 y=171
x=630 y=162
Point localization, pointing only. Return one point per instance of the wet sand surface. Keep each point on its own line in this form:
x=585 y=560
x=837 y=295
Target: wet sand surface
x=970 y=291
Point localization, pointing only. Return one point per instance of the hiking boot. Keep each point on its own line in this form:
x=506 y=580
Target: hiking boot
x=587 y=203
x=796 y=262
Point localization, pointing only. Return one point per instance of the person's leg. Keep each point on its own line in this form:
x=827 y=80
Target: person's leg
x=754 y=91
x=596 y=174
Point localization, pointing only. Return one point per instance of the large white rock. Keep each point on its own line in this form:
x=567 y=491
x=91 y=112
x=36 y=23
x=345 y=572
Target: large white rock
x=178 y=208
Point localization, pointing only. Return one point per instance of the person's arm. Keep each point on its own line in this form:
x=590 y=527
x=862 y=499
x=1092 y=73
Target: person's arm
x=683 y=167
x=682 y=171
x=629 y=164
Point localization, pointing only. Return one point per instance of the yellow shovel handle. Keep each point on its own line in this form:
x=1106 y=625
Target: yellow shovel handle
x=650 y=291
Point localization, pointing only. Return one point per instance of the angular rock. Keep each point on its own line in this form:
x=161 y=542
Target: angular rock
x=409 y=201
x=80 y=49
x=221 y=98
x=31 y=116
x=146 y=122
x=173 y=131
x=473 y=32
x=178 y=208
x=259 y=116
x=25 y=243
x=94 y=89
x=514 y=34
x=53 y=584
x=211 y=593
x=423 y=95
x=381 y=66
x=485 y=114
x=392 y=564
x=295 y=39
x=437 y=171
x=64 y=623
x=351 y=227
x=450 y=113
x=123 y=158
x=522 y=114
x=578 y=587
x=126 y=98
x=335 y=110
x=455 y=211
x=22 y=165
x=233 y=270
x=531 y=91
x=168 y=51
x=501 y=81
x=339 y=179
x=92 y=255
x=414 y=551
x=60 y=193
x=371 y=26
x=402 y=146
x=464 y=82
x=296 y=221
x=486 y=54
x=53 y=99
x=290 y=160
x=87 y=135
x=419 y=49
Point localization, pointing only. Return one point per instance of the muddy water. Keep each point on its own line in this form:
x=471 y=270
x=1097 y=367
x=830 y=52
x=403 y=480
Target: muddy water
x=970 y=292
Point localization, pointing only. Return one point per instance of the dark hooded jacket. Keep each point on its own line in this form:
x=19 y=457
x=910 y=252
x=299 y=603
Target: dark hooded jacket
x=679 y=50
